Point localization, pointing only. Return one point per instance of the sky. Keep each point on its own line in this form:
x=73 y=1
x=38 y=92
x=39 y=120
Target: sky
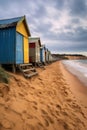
x=60 y=24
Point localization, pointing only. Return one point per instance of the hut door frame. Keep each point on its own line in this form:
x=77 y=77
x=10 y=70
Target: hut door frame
x=19 y=48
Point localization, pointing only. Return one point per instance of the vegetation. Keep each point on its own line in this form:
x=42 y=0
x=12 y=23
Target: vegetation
x=4 y=76
x=66 y=56
x=60 y=56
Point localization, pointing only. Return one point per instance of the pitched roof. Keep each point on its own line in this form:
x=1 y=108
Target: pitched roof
x=12 y=22
x=9 y=21
x=33 y=39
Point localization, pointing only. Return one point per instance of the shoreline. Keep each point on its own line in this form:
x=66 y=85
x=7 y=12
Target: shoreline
x=79 y=71
x=77 y=86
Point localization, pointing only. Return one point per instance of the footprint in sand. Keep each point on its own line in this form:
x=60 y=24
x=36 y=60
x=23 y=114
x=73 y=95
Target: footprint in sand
x=77 y=108
x=58 y=107
x=47 y=118
x=50 y=119
x=34 y=102
x=35 y=107
x=32 y=87
x=26 y=116
x=46 y=122
x=44 y=112
x=38 y=126
x=4 y=90
x=5 y=124
x=63 y=124
x=57 y=113
x=29 y=127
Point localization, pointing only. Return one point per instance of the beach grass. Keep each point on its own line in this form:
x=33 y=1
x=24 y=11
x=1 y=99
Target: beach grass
x=4 y=76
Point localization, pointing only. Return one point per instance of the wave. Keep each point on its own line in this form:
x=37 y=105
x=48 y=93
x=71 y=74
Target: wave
x=78 y=68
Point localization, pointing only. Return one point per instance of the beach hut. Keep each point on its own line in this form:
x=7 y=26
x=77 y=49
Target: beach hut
x=42 y=54
x=34 y=50
x=14 y=35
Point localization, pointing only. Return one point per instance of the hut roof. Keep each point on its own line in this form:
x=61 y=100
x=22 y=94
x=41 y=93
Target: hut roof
x=12 y=22
x=42 y=46
x=33 y=39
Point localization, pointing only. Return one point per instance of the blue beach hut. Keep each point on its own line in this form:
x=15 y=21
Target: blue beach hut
x=14 y=35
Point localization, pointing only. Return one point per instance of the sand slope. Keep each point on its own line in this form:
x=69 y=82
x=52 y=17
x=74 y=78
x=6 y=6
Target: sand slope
x=45 y=102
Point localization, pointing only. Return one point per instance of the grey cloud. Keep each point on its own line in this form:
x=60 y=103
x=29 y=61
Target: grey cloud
x=67 y=46
x=78 y=7
x=59 y=4
x=68 y=37
x=40 y=12
x=17 y=7
x=4 y=3
x=79 y=34
x=44 y=28
x=75 y=21
x=68 y=26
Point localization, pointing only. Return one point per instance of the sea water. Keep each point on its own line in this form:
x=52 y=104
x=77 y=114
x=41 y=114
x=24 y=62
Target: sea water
x=77 y=68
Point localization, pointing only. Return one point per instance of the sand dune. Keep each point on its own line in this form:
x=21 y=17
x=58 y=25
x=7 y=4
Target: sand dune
x=45 y=102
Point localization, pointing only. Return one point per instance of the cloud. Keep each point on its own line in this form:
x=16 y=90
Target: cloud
x=64 y=46
x=61 y=24
x=78 y=8
x=75 y=21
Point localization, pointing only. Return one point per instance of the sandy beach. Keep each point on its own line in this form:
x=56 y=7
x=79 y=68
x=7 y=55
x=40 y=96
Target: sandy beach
x=53 y=100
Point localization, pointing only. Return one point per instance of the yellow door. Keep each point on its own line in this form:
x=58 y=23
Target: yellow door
x=26 y=50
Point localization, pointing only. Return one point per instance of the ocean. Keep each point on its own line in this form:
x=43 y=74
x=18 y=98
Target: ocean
x=77 y=68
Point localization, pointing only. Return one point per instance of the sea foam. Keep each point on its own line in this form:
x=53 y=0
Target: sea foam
x=78 y=68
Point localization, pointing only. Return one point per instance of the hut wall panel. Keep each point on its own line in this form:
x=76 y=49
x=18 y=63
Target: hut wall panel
x=7 y=45
x=26 y=50
x=19 y=49
x=37 y=52
x=41 y=54
x=47 y=57
x=50 y=57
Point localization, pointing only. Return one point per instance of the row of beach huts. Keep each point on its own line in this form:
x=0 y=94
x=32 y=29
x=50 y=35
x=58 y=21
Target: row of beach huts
x=19 y=49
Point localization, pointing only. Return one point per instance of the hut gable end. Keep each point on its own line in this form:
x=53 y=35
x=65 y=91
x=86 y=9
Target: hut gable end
x=21 y=28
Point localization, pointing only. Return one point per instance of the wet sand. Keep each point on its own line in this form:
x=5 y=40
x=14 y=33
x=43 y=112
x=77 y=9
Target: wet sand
x=53 y=100
x=78 y=88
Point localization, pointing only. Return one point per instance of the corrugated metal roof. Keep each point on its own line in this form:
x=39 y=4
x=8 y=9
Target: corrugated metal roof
x=11 y=20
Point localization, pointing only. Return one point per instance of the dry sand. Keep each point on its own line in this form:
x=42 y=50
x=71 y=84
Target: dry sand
x=53 y=100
